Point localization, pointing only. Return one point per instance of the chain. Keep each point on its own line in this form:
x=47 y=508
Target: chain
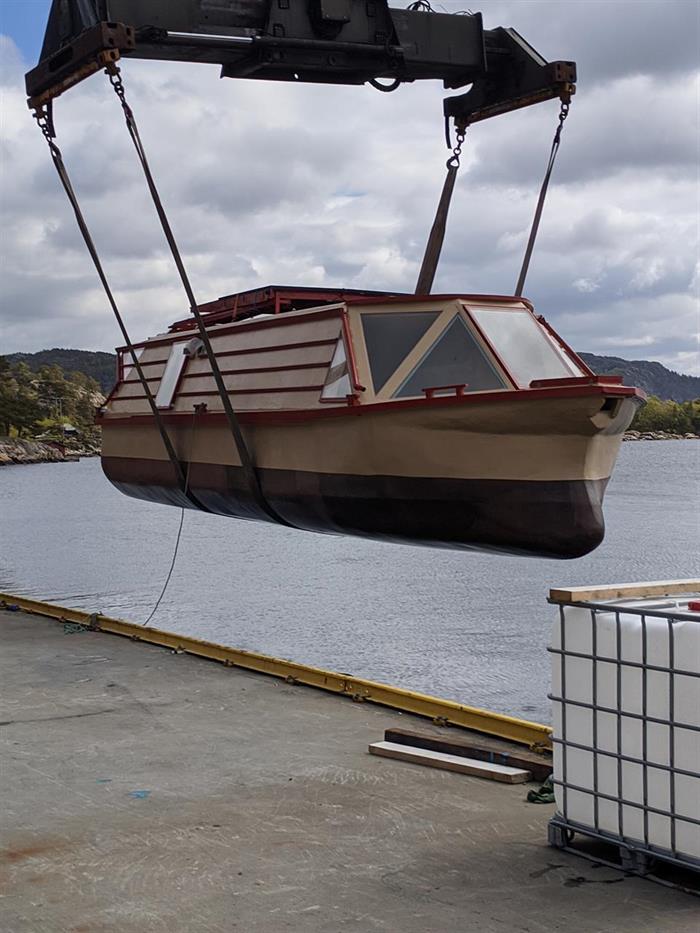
x=115 y=79
x=44 y=119
x=563 y=114
x=453 y=161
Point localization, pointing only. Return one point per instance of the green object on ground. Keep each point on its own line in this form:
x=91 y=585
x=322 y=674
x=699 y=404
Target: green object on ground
x=544 y=795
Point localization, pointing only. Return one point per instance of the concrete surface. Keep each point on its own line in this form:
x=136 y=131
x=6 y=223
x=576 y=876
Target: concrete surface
x=148 y=791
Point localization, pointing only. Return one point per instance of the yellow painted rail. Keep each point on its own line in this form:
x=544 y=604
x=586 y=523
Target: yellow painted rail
x=445 y=712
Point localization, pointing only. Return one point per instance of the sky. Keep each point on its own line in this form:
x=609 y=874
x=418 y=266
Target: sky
x=268 y=183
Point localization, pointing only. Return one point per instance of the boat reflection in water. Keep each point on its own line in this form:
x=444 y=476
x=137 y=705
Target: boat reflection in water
x=446 y=420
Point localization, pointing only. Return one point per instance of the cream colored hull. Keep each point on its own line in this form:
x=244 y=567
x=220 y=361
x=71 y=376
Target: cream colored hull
x=523 y=476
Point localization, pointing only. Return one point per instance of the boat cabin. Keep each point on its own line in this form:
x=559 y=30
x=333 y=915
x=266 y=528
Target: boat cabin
x=359 y=348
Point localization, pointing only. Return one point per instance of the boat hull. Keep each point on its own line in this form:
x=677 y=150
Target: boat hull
x=557 y=519
x=527 y=478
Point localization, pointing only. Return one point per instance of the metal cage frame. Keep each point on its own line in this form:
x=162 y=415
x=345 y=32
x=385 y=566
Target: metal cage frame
x=636 y=855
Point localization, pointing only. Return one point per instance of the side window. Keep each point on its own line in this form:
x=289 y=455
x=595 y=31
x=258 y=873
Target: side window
x=338 y=379
x=171 y=376
x=389 y=338
x=455 y=358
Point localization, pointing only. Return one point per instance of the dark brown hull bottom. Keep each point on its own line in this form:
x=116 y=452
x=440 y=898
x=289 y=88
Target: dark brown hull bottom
x=561 y=519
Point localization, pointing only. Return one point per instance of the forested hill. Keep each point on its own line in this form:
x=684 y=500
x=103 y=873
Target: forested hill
x=654 y=378
x=98 y=365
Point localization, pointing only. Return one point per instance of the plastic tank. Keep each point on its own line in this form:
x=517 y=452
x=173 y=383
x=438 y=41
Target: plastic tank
x=626 y=718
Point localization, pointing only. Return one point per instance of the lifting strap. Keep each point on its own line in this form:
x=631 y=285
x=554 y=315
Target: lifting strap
x=250 y=473
x=433 y=247
x=437 y=232
x=44 y=118
x=556 y=142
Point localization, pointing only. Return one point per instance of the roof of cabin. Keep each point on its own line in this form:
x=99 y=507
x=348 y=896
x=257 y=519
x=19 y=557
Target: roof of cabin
x=276 y=299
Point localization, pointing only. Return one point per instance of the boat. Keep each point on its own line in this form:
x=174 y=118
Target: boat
x=456 y=421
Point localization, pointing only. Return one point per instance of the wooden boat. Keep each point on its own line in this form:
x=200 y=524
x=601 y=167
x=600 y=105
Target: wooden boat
x=458 y=421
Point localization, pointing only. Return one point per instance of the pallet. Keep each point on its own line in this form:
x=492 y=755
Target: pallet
x=470 y=766
x=627 y=856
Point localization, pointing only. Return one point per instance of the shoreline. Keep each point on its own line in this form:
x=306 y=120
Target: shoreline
x=658 y=436
x=14 y=452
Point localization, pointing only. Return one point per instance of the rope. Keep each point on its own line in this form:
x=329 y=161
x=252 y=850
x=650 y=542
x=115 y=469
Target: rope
x=197 y=409
x=44 y=119
x=249 y=471
x=563 y=114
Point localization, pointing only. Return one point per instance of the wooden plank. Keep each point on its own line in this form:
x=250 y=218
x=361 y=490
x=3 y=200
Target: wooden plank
x=539 y=766
x=470 y=766
x=583 y=594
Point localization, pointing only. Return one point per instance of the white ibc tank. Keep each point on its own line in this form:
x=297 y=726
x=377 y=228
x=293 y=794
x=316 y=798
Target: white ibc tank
x=627 y=729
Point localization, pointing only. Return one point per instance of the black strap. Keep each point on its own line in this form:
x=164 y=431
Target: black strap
x=433 y=247
x=249 y=471
x=44 y=118
x=563 y=114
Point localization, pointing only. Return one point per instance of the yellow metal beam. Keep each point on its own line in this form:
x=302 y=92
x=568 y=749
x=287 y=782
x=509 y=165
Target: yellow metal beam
x=445 y=712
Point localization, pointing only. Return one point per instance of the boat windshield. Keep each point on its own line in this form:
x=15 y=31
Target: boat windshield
x=389 y=339
x=524 y=346
x=456 y=358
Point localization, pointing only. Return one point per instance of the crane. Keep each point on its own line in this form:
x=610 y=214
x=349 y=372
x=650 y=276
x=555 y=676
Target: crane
x=327 y=41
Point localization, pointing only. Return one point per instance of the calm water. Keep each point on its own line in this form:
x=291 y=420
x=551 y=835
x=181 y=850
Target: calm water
x=469 y=627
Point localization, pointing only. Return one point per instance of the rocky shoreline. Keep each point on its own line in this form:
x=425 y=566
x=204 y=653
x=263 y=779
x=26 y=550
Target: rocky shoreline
x=14 y=451
x=658 y=436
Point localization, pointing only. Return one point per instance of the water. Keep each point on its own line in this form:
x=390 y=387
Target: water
x=468 y=627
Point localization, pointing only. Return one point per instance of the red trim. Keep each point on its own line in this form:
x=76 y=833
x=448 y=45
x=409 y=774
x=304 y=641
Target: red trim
x=246 y=326
x=276 y=390
x=331 y=342
x=148 y=363
x=576 y=380
x=572 y=354
x=412 y=299
x=236 y=372
x=273 y=390
x=507 y=395
x=350 y=354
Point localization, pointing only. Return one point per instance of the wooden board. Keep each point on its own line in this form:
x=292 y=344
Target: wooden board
x=540 y=766
x=583 y=594
x=421 y=756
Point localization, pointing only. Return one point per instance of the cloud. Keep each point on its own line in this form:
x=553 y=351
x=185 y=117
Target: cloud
x=274 y=183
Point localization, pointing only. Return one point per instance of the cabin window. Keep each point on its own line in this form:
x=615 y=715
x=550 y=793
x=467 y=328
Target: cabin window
x=338 y=378
x=173 y=370
x=456 y=358
x=523 y=345
x=389 y=338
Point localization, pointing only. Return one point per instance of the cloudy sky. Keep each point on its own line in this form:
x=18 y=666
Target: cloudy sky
x=309 y=185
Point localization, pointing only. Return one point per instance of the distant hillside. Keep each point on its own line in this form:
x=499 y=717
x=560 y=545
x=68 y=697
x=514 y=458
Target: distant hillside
x=654 y=378
x=100 y=366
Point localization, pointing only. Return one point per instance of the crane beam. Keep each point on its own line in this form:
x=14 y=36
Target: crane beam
x=321 y=41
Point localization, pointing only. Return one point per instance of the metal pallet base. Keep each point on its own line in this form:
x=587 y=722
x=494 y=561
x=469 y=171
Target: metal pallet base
x=630 y=858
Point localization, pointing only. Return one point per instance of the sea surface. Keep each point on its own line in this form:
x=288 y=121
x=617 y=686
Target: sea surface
x=468 y=627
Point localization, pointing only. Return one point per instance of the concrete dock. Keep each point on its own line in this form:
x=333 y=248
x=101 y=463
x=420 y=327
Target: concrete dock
x=144 y=790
